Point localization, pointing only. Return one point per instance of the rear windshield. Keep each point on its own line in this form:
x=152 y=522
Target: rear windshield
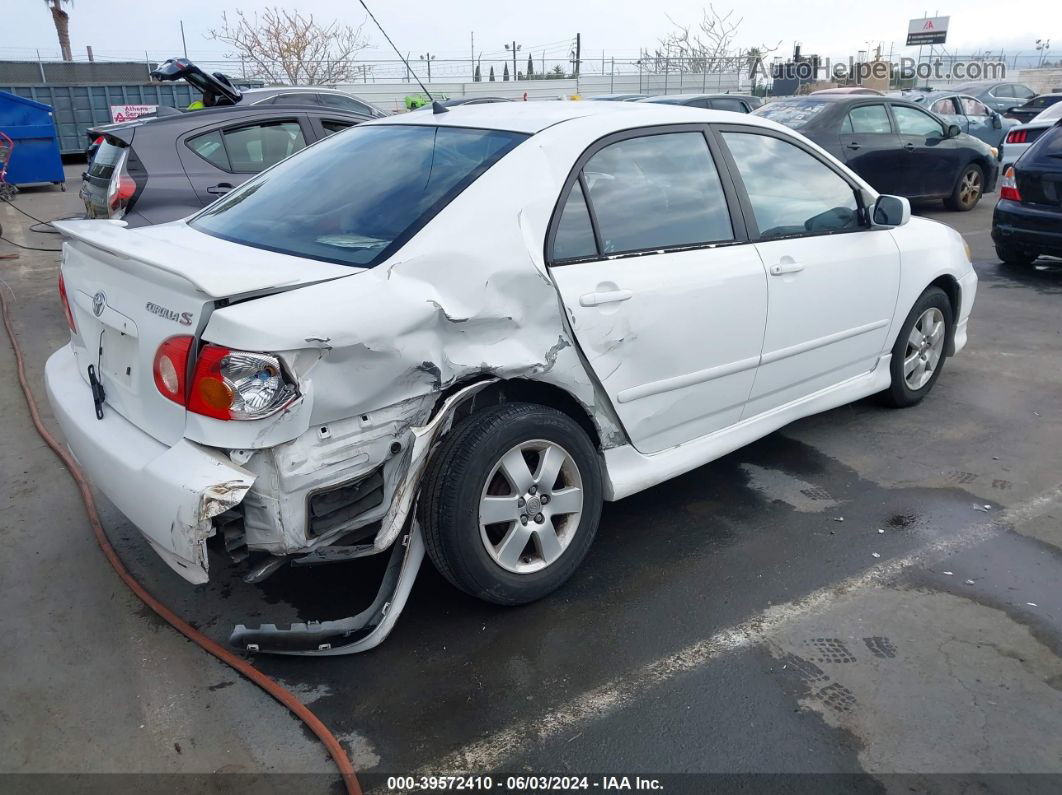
x=358 y=195
x=794 y=113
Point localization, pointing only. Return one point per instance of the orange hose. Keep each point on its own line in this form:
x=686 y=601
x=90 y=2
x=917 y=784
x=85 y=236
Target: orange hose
x=271 y=686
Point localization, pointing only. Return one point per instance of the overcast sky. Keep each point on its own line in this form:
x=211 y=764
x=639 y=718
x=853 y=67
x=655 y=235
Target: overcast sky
x=126 y=28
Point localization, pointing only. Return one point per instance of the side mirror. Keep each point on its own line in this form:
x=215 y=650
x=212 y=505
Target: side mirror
x=997 y=121
x=954 y=131
x=891 y=211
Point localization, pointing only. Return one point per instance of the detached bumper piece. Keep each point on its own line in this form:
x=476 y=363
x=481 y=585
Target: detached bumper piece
x=351 y=635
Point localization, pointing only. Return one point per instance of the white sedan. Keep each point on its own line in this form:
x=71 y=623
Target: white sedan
x=463 y=330
x=1023 y=136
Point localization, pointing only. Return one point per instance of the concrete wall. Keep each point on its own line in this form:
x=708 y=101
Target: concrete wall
x=1042 y=81
x=391 y=96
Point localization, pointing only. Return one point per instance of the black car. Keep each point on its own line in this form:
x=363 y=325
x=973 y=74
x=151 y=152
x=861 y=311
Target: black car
x=1027 y=221
x=738 y=103
x=1033 y=108
x=895 y=145
x=160 y=169
x=618 y=97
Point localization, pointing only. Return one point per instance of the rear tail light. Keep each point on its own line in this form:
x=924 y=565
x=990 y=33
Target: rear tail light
x=123 y=187
x=1018 y=137
x=66 y=305
x=1008 y=188
x=226 y=384
x=171 y=368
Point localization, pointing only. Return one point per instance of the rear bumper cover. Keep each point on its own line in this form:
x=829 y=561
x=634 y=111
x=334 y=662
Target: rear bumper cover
x=169 y=493
x=1031 y=227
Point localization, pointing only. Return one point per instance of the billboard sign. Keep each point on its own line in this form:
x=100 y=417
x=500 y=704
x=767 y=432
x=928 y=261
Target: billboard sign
x=931 y=30
x=121 y=113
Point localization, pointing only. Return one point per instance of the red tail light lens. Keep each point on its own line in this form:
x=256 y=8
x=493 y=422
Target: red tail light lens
x=1008 y=187
x=171 y=368
x=210 y=394
x=1018 y=136
x=66 y=304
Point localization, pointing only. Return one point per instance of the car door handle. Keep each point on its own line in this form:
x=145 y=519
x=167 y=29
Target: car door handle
x=854 y=145
x=786 y=266
x=608 y=297
x=220 y=189
x=909 y=146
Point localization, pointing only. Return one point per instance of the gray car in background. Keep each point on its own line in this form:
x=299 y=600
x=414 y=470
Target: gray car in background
x=999 y=95
x=972 y=115
x=160 y=169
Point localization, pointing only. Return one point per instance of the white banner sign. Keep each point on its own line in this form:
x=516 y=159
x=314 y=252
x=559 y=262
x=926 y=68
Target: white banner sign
x=121 y=113
x=931 y=30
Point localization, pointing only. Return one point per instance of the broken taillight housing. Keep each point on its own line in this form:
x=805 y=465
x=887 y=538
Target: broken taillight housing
x=1008 y=187
x=238 y=385
x=66 y=304
x=124 y=185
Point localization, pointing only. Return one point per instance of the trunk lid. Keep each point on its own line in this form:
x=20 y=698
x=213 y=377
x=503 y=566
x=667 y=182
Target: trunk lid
x=130 y=290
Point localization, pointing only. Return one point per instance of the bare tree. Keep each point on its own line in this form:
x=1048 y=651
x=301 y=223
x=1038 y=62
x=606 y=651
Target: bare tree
x=284 y=46
x=62 y=26
x=707 y=47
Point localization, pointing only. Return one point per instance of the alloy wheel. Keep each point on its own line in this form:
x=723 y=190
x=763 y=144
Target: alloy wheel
x=925 y=346
x=530 y=507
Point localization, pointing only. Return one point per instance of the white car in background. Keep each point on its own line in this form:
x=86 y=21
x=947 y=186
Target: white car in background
x=1023 y=136
x=460 y=332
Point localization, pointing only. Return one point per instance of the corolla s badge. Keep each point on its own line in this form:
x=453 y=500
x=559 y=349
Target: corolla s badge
x=184 y=318
x=99 y=303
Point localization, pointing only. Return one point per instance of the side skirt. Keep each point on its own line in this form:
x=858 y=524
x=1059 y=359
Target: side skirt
x=628 y=471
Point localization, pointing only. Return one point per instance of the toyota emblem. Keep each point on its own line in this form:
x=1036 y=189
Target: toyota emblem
x=99 y=303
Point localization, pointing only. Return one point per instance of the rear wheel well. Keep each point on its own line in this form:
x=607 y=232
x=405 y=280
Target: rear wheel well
x=525 y=391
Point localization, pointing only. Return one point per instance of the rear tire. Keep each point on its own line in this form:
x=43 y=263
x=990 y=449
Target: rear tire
x=536 y=473
x=968 y=189
x=1014 y=256
x=918 y=353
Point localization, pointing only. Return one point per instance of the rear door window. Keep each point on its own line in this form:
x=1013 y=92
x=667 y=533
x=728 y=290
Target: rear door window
x=867 y=120
x=259 y=146
x=211 y=148
x=657 y=192
x=974 y=107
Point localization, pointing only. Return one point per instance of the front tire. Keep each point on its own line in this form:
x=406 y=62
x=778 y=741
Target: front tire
x=918 y=353
x=511 y=502
x=968 y=189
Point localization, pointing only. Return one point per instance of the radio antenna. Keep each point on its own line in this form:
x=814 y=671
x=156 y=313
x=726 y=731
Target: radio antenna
x=437 y=108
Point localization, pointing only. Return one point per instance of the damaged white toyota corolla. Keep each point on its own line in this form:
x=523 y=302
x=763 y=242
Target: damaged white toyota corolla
x=462 y=331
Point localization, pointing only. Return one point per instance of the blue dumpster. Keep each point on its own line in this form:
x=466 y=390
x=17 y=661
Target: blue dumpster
x=35 y=157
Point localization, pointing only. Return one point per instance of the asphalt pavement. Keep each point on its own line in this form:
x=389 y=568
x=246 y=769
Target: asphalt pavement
x=867 y=591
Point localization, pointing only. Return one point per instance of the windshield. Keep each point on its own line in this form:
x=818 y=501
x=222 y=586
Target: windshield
x=794 y=113
x=357 y=196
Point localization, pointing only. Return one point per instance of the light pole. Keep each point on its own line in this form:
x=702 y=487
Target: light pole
x=515 y=48
x=429 y=58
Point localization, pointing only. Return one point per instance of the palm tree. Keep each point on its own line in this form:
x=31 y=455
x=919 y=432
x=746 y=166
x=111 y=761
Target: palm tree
x=62 y=25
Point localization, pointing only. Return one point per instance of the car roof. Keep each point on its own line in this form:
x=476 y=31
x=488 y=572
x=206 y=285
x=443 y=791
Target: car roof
x=205 y=115
x=679 y=97
x=532 y=117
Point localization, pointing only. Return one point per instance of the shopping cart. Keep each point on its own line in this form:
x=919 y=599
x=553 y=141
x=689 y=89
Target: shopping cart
x=7 y=146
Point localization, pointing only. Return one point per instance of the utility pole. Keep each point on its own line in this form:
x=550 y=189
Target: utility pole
x=88 y=48
x=472 y=52
x=184 y=44
x=514 y=47
x=578 y=52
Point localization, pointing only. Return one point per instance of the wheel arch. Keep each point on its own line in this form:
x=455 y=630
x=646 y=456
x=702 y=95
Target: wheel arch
x=950 y=285
x=529 y=391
